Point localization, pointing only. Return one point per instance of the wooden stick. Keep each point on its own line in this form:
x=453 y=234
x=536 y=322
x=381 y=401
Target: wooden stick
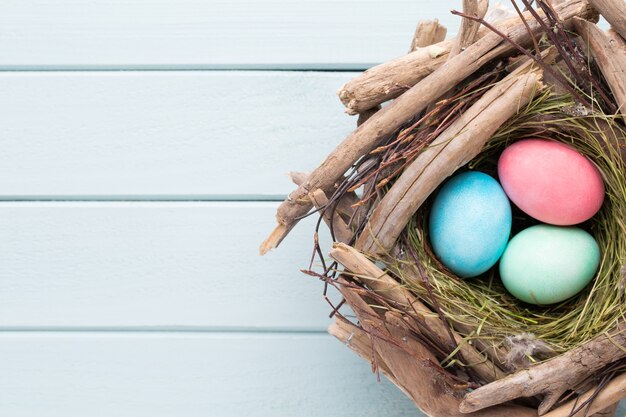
x=406 y=360
x=345 y=205
x=430 y=391
x=456 y=146
x=359 y=342
x=372 y=276
x=553 y=377
x=413 y=367
x=410 y=365
x=614 y=12
x=376 y=279
x=427 y=33
x=366 y=114
x=375 y=330
x=610 y=411
x=614 y=36
x=362 y=210
x=390 y=79
x=298 y=177
x=389 y=119
x=333 y=220
x=610 y=55
x=611 y=394
x=468 y=32
x=495 y=354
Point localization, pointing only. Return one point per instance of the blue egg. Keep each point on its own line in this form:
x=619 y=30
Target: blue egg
x=470 y=223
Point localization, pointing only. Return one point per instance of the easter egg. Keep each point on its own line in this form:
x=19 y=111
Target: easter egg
x=470 y=223
x=547 y=264
x=551 y=181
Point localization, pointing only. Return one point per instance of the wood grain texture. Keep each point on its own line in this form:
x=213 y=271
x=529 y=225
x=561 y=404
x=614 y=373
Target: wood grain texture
x=153 y=265
x=190 y=375
x=306 y=34
x=608 y=49
x=614 y=11
x=171 y=135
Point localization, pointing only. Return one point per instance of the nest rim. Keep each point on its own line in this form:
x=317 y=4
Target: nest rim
x=481 y=304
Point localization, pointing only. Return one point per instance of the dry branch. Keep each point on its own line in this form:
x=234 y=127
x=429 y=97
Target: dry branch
x=612 y=393
x=610 y=55
x=456 y=146
x=412 y=367
x=372 y=276
x=336 y=224
x=298 y=177
x=343 y=207
x=610 y=411
x=405 y=359
x=495 y=354
x=390 y=79
x=365 y=115
x=375 y=328
x=389 y=119
x=614 y=11
x=553 y=377
x=381 y=283
x=433 y=394
x=468 y=32
x=357 y=340
x=427 y=33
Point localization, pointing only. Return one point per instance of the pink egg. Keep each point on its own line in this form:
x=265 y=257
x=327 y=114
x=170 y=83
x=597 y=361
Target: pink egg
x=550 y=181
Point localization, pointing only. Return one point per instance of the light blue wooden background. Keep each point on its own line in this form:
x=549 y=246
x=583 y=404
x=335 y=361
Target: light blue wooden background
x=139 y=173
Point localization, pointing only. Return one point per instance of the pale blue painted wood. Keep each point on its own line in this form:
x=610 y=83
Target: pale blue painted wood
x=159 y=281
x=165 y=135
x=189 y=375
x=154 y=266
x=210 y=34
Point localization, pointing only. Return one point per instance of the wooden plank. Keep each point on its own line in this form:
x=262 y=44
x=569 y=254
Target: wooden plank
x=164 y=135
x=124 y=34
x=153 y=265
x=218 y=375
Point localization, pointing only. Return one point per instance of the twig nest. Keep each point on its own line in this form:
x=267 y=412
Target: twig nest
x=563 y=313
x=417 y=314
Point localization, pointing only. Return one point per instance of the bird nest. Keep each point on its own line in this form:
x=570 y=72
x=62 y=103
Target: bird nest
x=483 y=304
x=466 y=346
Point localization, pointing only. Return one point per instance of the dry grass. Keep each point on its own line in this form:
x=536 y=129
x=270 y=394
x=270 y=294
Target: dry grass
x=482 y=304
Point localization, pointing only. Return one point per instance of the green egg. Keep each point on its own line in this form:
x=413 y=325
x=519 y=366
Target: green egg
x=547 y=264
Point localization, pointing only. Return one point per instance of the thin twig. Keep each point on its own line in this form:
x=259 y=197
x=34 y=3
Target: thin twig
x=526 y=52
